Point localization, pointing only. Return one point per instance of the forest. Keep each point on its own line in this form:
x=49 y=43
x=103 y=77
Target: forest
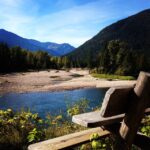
x=116 y=57
x=122 y=48
x=18 y=59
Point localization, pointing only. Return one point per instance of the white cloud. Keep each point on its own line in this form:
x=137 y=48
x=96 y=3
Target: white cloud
x=63 y=26
x=14 y=18
x=72 y=25
x=75 y=24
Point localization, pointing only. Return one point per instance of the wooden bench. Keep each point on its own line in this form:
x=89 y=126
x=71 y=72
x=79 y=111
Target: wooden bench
x=122 y=111
x=68 y=141
x=126 y=105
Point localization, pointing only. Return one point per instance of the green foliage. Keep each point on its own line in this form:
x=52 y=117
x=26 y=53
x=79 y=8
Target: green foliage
x=145 y=128
x=115 y=57
x=100 y=143
x=134 y=35
x=19 y=129
x=61 y=125
x=118 y=58
x=112 y=77
x=79 y=107
x=34 y=135
x=94 y=136
x=17 y=59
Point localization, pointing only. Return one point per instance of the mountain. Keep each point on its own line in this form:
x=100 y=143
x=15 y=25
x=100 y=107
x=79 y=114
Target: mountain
x=134 y=30
x=53 y=49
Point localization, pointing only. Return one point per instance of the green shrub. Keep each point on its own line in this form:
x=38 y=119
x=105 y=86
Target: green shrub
x=18 y=130
x=80 y=106
x=145 y=127
x=16 y=127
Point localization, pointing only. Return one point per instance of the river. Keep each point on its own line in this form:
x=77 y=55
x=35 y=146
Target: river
x=50 y=102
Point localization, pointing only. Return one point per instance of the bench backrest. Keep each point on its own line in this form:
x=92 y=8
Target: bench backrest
x=118 y=99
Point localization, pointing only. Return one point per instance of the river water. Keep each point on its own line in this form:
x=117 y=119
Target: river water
x=50 y=102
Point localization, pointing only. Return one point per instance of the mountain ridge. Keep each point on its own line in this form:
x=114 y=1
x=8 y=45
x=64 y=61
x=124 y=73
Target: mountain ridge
x=54 y=49
x=134 y=30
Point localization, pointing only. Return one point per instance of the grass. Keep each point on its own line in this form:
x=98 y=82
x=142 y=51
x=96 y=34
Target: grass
x=112 y=77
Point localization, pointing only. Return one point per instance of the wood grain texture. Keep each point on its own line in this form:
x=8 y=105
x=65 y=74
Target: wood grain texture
x=116 y=101
x=68 y=140
x=140 y=100
x=94 y=119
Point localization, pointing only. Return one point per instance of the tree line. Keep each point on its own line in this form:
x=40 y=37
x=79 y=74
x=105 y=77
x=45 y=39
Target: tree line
x=18 y=59
x=116 y=57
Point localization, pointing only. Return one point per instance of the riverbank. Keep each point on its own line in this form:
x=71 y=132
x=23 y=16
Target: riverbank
x=54 y=80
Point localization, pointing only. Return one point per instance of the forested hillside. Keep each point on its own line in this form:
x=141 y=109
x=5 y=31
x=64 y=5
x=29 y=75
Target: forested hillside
x=121 y=48
x=118 y=58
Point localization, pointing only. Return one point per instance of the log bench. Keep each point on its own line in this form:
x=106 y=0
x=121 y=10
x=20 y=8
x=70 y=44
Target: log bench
x=121 y=113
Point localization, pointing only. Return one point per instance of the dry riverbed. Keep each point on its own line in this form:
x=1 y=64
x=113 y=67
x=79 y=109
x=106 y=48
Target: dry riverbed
x=54 y=80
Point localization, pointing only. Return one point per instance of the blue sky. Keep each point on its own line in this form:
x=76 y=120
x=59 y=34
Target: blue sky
x=64 y=21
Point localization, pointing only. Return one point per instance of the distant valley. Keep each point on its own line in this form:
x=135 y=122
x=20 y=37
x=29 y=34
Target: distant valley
x=53 y=49
x=122 y=48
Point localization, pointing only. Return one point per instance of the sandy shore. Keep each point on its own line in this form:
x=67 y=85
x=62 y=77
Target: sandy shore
x=54 y=80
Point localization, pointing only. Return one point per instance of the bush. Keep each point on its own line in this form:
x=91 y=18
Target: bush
x=18 y=130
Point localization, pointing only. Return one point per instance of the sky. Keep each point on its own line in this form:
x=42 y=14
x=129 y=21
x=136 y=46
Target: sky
x=64 y=21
